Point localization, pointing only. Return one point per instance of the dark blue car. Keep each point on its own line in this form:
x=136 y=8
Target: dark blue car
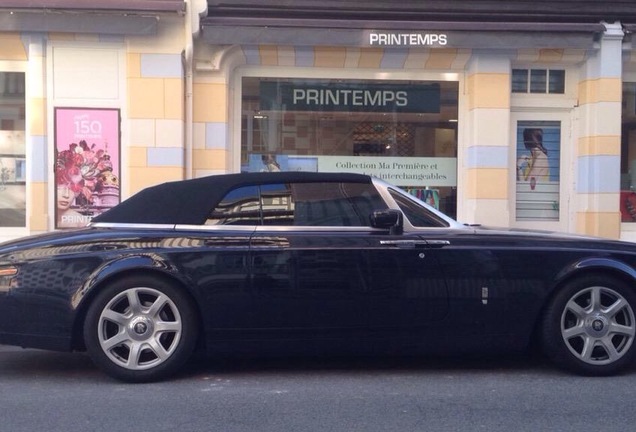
x=310 y=263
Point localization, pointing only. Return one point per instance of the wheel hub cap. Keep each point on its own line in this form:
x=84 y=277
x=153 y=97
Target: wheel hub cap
x=140 y=328
x=597 y=325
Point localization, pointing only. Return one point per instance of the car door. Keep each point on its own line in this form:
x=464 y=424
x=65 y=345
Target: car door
x=407 y=289
x=328 y=270
x=306 y=268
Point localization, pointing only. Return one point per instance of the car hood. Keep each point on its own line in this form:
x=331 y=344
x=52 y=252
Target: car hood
x=484 y=229
x=542 y=236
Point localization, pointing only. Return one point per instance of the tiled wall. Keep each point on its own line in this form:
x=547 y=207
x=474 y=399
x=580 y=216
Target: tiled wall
x=210 y=113
x=335 y=57
x=487 y=176
x=155 y=101
x=598 y=150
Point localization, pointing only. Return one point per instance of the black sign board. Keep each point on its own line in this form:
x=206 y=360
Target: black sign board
x=351 y=97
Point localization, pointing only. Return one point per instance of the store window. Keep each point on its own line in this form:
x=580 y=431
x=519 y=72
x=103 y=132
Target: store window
x=12 y=150
x=628 y=154
x=404 y=132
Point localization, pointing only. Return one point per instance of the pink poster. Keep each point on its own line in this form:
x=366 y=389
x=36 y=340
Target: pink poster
x=87 y=168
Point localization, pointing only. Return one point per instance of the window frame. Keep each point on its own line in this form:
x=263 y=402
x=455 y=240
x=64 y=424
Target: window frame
x=291 y=206
x=13 y=232
x=530 y=72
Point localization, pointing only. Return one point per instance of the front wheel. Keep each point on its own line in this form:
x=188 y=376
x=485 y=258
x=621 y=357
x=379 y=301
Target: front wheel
x=140 y=329
x=590 y=326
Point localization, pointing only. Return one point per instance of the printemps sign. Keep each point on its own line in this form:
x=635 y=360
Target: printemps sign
x=407 y=39
x=351 y=97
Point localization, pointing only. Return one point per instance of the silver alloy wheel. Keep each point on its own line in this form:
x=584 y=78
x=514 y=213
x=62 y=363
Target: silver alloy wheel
x=598 y=325
x=139 y=328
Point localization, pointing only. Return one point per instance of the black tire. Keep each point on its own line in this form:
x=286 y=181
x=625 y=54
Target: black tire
x=589 y=327
x=140 y=329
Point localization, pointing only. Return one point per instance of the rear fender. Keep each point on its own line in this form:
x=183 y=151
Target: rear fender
x=111 y=269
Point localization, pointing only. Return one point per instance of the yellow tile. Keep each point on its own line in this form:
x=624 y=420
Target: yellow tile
x=37 y=116
x=600 y=145
x=416 y=58
x=601 y=224
x=487 y=183
x=488 y=90
x=38 y=205
x=571 y=56
x=441 y=58
x=269 y=55
x=600 y=90
x=210 y=102
x=12 y=47
x=173 y=90
x=209 y=159
x=133 y=65
x=61 y=36
x=146 y=98
x=83 y=37
x=137 y=157
x=332 y=57
x=550 y=55
x=370 y=57
x=527 y=55
x=141 y=178
x=286 y=56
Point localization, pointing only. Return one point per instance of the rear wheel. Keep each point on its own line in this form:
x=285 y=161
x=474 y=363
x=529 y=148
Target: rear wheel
x=590 y=326
x=140 y=329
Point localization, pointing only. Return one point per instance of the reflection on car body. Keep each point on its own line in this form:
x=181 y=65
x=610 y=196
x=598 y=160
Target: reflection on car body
x=293 y=262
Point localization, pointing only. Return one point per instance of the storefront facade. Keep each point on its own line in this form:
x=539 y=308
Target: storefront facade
x=91 y=106
x=503 y=122
x=522 y=132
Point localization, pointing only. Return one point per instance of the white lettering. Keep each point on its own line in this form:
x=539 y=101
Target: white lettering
x=407 y=39
x=312 y=97
x=299 y=95
x=401 y=98
x=346 y=97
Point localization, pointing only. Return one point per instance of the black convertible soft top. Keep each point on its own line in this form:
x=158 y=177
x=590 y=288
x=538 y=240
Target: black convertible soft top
x=191 y=201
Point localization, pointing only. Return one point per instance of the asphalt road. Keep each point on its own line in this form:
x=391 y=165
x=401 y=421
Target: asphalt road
x=46 y=391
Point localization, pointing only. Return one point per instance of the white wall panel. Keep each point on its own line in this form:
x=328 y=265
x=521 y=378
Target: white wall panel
x=90 y=73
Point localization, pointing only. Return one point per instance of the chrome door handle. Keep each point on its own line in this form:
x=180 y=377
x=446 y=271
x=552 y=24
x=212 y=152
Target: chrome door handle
x=403 y=243
x=437 y=243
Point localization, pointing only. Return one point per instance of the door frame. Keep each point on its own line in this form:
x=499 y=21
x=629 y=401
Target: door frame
x=567 y=214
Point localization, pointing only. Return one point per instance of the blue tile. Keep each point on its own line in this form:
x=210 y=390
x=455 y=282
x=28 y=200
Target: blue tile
x=215 y=135
x=37 y=157
x=165 y=156
x=394 y=58
x=252 y=55
x=304 y=56
x=161 y=66
x=599 y=174
x=487 y=157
